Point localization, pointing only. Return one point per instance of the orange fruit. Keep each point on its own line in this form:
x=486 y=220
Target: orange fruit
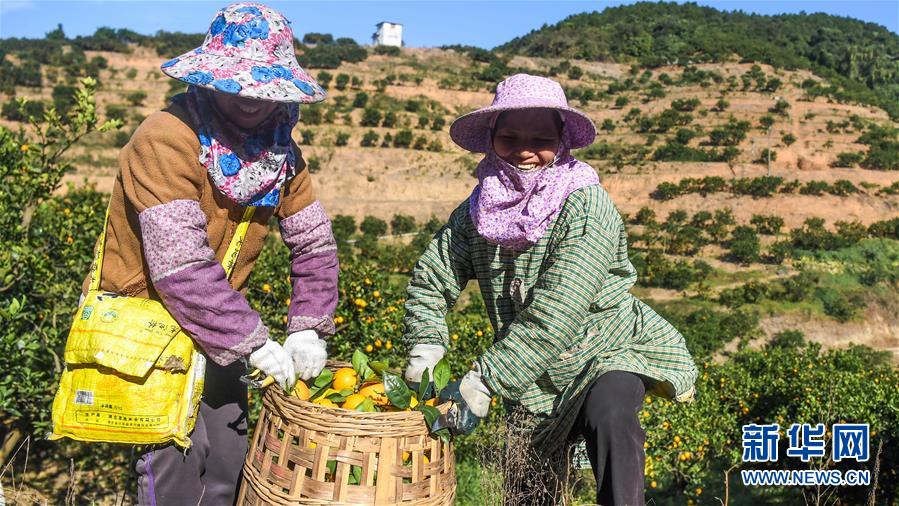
x=321 y=401
x=353 y=401
x=301 y=391
x=345 y=378
x=431 y=402
x=375 y=392
x=413 y=402
x=406 y=456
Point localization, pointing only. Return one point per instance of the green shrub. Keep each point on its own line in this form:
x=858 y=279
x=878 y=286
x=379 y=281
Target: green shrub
x=372 y=226
x=116 y=112
x=843 y=187
x=341 y=81
x=371 y=117
x=313 y=165
x=644 y=216
x=343 y=227
x=840 y=306
x=324 y=78
x=767 y=224
x=744 y=245
x=780 y=107
x=389 y=120
x=402 y=224
x=403 y=139
x=387 y=50
x=729 y=135
x=815 y=188
x=342 y=139
x=14 y=112
x=848 y=159
x=766 y=156
x=370 y=139
x=136 y=98
x=307 y=136
x=120 y=139
x=685 y=104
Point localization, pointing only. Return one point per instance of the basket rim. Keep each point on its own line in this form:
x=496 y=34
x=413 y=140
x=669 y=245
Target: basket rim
x=279 y=396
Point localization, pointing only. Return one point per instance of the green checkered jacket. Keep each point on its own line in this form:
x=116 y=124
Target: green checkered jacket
x=561 y=310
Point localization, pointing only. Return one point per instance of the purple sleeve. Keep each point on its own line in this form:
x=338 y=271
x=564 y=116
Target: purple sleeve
x=313 y=270
x=193 y=285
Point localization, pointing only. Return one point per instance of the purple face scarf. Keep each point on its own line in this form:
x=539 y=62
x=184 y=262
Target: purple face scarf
x=513 y=208
x=249 y=167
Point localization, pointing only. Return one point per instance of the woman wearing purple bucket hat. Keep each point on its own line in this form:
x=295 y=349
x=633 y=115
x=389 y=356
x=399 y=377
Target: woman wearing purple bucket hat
x=574 y=350
x=188 y=177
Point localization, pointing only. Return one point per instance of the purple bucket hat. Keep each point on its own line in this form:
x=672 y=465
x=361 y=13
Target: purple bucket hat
x=522 y=91
x=248 y=51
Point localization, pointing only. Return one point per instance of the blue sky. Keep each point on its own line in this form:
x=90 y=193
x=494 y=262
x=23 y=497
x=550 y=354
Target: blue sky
x=427 y=23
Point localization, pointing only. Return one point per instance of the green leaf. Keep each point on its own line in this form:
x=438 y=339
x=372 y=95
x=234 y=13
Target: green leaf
x=360 y=364
x=367 y=406
x=423 y=385
x=397 y=391
x=441 y=375
x=355 y=475
x=332 y=467
x=430 y=412
x=379 y=367
x=444 y=435
x=339 y=397
x=320 y=384
x=360 y=361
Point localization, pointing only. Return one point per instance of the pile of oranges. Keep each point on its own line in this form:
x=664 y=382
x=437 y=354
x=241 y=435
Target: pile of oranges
x=345 y=389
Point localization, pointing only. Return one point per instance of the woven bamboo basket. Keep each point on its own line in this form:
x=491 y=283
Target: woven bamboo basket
x=294 y=441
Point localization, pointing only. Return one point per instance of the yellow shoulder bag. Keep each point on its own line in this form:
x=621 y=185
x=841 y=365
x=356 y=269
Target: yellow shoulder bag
x=132 y=375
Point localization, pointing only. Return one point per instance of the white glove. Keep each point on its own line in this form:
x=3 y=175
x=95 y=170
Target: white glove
x=308 y=353
x=421 y=357
x=272 y=360
x=475 y=392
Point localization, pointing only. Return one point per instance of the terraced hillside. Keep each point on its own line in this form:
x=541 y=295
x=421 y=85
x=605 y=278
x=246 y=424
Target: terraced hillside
x=691 y=138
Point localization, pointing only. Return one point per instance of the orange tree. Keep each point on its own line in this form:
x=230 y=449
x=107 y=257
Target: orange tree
x=45 y=250
x=690 y=449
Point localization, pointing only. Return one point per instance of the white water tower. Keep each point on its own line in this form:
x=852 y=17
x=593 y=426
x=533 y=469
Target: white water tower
x=388 y=34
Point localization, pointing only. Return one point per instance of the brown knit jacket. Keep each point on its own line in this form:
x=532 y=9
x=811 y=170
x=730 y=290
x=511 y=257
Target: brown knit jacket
x=161 y=164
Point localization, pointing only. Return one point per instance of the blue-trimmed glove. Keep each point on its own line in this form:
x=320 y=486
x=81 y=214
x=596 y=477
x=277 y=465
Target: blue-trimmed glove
x=471 y=401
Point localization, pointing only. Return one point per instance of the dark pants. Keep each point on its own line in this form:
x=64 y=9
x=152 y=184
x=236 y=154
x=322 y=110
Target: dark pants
x=609 y=422
x=210 y=471
x=610 y=425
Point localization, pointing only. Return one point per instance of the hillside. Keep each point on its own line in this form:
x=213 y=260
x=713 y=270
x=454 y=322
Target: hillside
x=379 y=147
x=857 y=57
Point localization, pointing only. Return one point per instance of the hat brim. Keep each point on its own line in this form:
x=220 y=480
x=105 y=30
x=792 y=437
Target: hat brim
x=472 y=131
x=236 y=76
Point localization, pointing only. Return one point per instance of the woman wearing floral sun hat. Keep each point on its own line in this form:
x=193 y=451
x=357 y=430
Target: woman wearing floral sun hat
x=186 y=178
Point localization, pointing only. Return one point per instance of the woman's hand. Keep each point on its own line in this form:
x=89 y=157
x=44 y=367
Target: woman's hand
x=471 y=399
x=274 y=361
x=421 y=357
x=308 y=352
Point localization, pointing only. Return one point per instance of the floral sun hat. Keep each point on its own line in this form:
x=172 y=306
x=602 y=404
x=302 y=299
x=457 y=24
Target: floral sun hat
x=248 y=51
x=522 y=91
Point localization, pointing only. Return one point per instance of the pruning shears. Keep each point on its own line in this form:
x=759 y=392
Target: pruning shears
x=458 y=419
x=256 y=380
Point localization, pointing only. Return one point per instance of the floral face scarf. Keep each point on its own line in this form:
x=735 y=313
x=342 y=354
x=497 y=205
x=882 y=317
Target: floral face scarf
x=513 y=208
x=249 y=167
